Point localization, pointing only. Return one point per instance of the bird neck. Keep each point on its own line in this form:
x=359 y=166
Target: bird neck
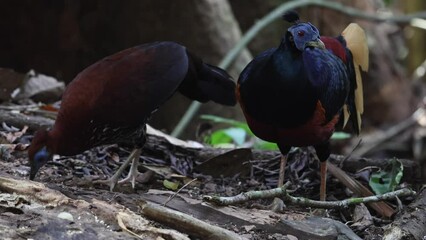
x=51 y=142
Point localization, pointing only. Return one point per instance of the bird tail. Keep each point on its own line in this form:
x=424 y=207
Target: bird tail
x=205 y=82
x=356 y=42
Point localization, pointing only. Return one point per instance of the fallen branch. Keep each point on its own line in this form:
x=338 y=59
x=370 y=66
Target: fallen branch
x=186 y=223
x=411 y=223
x=281 y=192
x=109 y=213
x=20 y=120
x=360 y=190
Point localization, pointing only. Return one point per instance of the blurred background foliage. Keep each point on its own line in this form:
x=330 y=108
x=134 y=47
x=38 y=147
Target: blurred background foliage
x=62 y=37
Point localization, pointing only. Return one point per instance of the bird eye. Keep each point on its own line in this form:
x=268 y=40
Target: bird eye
x=301 y=33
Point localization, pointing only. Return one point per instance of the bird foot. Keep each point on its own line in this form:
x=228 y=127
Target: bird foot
x=111 y=182
x=131 y=177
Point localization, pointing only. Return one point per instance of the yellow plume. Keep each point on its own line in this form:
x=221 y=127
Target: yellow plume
x=356 y=42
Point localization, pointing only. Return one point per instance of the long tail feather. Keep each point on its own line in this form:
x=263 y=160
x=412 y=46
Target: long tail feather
x=205 y=82
x=356 y=42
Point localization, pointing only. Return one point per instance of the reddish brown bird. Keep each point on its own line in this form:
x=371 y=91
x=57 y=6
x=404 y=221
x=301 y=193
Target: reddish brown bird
x=110 y=101
x=294 y=94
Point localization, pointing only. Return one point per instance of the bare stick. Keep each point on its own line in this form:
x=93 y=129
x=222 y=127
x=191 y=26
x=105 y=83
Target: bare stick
x=281 y=192
x=178 y=191
x=186 y=223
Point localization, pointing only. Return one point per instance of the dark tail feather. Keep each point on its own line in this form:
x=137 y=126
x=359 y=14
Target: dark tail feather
x=350 y=101
x=205 y=82
x=351 y=97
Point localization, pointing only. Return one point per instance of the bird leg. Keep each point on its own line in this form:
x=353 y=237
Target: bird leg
x=133 y=172
x=323 y=166
x=283 y=163
x=134 y=155
x=277 y=205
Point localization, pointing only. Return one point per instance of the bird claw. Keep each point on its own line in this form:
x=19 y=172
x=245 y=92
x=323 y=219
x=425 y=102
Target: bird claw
x=131 y=177
x=111 y=182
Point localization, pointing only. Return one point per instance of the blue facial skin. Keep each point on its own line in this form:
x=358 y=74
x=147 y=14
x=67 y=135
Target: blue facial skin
x=40 y=158
x=305 y=35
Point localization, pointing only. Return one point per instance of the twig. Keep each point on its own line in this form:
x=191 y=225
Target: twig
x=19 y=120
x=360 y=190
x=281 y=192
x=274 y=15
x=178 y=191
x=186 y=223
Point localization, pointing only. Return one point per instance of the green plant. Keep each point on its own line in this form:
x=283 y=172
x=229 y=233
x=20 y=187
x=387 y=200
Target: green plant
x=240 y=135
x=387 y=179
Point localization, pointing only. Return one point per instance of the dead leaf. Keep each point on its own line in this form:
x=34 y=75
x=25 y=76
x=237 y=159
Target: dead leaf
x=175 y=141
x=10 y=137
x=361 y=217
x=228 y=164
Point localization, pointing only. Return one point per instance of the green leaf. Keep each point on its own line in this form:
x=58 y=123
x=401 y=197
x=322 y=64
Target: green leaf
x=219 y=137
x=340 y=136
x=237 y=134
x=264 y=145
x=387 y=179
x=170 y=185
x=229 y=135
x=228 y=121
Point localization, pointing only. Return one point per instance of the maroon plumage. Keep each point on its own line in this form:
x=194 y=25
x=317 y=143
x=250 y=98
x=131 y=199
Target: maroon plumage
x=111 y=100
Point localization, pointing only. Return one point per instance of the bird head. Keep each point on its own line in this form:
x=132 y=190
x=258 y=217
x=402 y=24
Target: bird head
x=302 y=35
x=38 y=153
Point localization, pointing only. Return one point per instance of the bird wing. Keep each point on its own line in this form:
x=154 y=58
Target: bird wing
x=327 y=74
x=125 y=88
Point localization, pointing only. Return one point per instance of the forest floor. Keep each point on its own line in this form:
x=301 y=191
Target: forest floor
x=68 y=205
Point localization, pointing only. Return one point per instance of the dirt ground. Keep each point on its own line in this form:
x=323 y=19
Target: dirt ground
x=27 y=213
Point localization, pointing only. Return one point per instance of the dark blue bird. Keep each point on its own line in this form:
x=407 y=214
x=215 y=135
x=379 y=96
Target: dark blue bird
x=295 y=94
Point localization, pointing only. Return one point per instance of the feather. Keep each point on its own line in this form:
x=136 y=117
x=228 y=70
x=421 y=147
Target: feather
x=356 y=41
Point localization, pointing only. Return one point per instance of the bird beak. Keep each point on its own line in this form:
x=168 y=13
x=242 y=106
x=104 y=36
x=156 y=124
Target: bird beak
x=316 y=44
x=38 y=161
x=33 y=172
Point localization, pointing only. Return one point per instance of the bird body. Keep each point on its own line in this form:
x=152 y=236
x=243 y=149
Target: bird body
x=296 y=95
x=293 y=98
x=111 y=100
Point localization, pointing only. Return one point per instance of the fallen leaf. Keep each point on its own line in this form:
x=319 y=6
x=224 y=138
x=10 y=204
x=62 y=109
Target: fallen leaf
x=228 y=164
x=170 y=185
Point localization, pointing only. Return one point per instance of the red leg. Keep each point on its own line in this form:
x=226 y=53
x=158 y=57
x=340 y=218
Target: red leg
x=323 y=180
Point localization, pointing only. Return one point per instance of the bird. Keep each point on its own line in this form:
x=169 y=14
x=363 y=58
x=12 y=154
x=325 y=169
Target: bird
x=110 y=102
x=297 y=94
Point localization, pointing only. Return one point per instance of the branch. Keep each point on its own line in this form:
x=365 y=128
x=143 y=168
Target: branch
x=281 y=192
x=274 y=15
x=186 y=223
